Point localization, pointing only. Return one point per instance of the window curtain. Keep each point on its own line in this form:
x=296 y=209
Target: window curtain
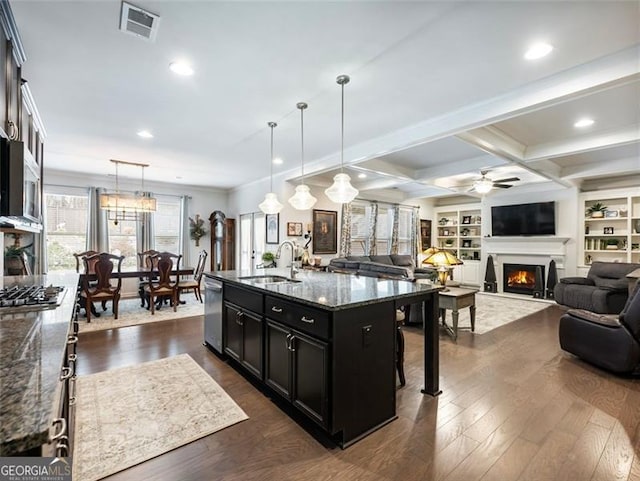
x=373 y=225
x=394 y=229
x=415 y=234
x=97 y=223
x=184 y=230
x=345 y=230
x=41 y=261
x=145 y=230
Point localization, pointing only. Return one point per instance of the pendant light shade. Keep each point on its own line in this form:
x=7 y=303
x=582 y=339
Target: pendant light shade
x=302 y=199
x=270 y=204
x=341 y=191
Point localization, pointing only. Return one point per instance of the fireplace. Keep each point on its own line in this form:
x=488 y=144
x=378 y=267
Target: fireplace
x=521 y=278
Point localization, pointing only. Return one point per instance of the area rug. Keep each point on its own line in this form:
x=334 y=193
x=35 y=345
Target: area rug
x=129 y=415
x=131 y=314
x=493 y=311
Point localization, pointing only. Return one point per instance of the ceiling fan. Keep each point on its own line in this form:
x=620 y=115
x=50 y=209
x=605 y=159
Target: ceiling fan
x=484 y=184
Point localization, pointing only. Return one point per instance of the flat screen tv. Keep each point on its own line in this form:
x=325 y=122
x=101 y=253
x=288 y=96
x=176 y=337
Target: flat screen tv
x=524 y=219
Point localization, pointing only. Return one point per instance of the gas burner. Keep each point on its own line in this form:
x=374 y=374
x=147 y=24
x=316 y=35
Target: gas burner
x=28 y=298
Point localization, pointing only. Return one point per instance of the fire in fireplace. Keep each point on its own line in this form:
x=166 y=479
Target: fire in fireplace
x=520 y=278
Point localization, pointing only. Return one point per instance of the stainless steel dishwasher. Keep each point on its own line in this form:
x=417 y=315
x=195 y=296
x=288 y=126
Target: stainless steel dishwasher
x=213 y=314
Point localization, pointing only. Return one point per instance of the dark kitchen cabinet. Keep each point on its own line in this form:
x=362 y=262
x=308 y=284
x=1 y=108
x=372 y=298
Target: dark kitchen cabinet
x=297 y=368
x=14 y=100
x=242 y=332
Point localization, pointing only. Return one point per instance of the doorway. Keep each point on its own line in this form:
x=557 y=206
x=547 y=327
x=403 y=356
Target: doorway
x=252 y=239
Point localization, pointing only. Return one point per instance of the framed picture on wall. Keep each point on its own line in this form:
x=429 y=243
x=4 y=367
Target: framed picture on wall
x=294 y=229
x=466 y=219
x=273 y=226
x=325 y=231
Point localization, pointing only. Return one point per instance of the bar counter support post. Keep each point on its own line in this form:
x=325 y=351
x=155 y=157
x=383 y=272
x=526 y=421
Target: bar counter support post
x=431 y=345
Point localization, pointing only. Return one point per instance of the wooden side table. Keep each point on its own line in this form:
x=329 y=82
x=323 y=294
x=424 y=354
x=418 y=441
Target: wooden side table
x=456 y=298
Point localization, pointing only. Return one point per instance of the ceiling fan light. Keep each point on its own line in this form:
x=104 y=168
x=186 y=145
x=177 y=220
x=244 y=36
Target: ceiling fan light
x=341 y=191
x=483 y=186
x=302 y=199
x=270 y=204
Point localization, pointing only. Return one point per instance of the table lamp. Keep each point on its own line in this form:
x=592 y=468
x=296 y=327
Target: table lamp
x=443 y=260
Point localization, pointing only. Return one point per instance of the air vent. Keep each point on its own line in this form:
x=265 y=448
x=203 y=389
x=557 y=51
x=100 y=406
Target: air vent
x=139 y=22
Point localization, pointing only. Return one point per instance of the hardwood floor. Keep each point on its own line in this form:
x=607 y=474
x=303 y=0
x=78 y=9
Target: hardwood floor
x=513 y=407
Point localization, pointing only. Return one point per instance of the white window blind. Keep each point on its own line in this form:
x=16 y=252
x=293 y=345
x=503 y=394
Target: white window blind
x=66 y=229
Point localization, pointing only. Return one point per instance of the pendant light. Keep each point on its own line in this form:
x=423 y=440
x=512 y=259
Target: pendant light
x=270 y=204
x=302 y=199
x=341 y=191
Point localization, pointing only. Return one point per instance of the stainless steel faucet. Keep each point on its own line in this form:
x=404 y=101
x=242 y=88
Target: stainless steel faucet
x=294 y=269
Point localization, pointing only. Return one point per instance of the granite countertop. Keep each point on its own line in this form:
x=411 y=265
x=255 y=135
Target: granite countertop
x=328 y=290
x=32 y=347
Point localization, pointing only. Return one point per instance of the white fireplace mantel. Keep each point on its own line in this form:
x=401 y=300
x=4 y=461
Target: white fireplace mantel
x=534 y=245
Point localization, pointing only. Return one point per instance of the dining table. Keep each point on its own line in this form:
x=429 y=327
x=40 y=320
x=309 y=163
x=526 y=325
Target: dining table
x=131 y=272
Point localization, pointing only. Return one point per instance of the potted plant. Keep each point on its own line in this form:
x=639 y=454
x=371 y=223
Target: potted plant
x=448 y=242
x=13 y=258
x=268 y=259
x=443 y=221
x=596 y=210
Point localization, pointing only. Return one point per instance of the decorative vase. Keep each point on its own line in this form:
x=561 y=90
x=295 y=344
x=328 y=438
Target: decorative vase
x=597 y=214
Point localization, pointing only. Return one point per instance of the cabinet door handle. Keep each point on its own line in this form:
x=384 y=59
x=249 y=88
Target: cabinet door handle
x=66 y=373
x=286 y=341
x=239 y=316
x=292 y=349
x=72 y=339
x=310 y=321
x=63 y=428
x=276 y=309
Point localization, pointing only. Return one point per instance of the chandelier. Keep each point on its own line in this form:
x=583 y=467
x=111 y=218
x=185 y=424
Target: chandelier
x=126 y=206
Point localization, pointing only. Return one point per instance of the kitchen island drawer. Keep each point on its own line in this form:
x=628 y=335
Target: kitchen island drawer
x=246 y=298
x=306 y=319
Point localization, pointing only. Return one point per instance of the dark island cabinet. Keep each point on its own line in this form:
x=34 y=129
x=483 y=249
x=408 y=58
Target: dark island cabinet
x=297 y=368
x=243 y=338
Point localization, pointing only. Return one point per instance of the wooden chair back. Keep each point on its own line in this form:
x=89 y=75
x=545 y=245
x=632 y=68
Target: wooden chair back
x=202 y=260
x=79 y=257
x=161 y=277
x=144 y=258
x=102 y=265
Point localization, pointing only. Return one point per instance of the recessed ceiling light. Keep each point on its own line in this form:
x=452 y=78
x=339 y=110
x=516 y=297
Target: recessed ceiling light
x=538 y=50
x=181 y=68
x=145 y=134
x=582 y=123
x=278 y=161
x=362 y=176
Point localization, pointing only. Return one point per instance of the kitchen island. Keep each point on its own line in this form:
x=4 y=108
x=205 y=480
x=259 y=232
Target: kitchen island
x=324 y=343
x=35 y=348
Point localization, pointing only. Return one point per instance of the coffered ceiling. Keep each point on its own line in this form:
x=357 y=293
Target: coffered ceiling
x=439 y=90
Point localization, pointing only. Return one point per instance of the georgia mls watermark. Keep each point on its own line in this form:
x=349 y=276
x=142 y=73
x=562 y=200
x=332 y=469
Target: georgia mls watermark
x=35 y=469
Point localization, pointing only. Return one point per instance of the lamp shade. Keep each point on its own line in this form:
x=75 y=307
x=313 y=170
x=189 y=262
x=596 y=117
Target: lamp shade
x=270 y=204
x=341 y=191
x=428 y=253
x=442 y=258
x=302 y=199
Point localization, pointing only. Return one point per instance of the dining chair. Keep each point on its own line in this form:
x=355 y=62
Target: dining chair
x=79 y=259
x=162 y=279
x=194 y=283
x=101 y=289
x=144 y=260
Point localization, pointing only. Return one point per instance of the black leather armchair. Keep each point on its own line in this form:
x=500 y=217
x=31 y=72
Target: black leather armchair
x=604 y=291
x=607 y=341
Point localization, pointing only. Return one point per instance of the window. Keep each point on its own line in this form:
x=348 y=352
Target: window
x=167 y=224
x=122 y=241
x=359 y=228
x=360 y=218
x=66 y=229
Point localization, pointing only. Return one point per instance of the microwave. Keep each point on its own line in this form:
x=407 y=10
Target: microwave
x=20 y=190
